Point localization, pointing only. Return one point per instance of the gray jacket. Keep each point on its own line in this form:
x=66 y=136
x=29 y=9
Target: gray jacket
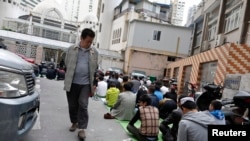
x=193 y=126
x=124 y=108
x=70 y=63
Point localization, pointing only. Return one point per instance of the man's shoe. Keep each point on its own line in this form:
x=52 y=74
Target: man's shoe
x=73 y=127
x=108 y=116
x=81 y=134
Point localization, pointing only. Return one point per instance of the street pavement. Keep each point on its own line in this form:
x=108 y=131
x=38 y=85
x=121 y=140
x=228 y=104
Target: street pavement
x=53 y=122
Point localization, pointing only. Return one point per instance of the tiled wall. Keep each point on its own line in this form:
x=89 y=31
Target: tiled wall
x=239 y=60
x=231 y=58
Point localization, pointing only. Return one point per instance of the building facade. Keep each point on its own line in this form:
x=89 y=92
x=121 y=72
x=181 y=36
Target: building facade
x=30 y=4
x=151 y=46
x=178 y=7
x=77 y=9
x=42 y=34
x=219 y=44
x=140 y=30
x=6 y=8
x=45 y=34
x=105 y=15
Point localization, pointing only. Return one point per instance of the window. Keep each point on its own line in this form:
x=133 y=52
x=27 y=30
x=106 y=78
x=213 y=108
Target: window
x=50 y=34
x=176 y=72
x=157 y=35
x=65 y=37
x=198 y=40
x=116 y=36
x=102 y=7
x=211 y=31
x=100 y=27
x=171 y=58
x=208 y=72
x=154 y=8
x=232 y=19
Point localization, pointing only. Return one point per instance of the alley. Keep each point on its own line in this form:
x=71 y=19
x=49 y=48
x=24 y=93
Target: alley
x=53 y=122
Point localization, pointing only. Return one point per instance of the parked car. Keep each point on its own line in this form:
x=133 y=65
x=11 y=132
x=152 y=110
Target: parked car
x=138 y=73
x=32 y=61
x=114 y=69
x=19 y=102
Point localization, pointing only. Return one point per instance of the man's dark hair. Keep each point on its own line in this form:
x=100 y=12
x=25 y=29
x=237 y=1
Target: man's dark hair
x=125 y=78
x=158 y=85
x=101 y=77
x=145 y=98
x=87 y=32
x=112 y=84
x=128 y=86
x=216 y=104
x=151 y=88
x=135 y=77
x=116 y=75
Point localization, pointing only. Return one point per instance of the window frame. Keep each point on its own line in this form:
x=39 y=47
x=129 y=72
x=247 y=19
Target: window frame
x=232 y=20
x=157 y=35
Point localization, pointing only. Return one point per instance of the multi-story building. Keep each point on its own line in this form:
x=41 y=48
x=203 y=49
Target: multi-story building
x=42 y=34
x=141 y=32
x=45 y=33
x=219 y=44
x=7 y=6
x=190 y=16
x=77 y=9
x=178 y=7
x=30 y=4
x=161 y=1
x=105 y=15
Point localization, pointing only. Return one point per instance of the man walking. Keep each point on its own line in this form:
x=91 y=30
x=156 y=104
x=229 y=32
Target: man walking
x=81 y=64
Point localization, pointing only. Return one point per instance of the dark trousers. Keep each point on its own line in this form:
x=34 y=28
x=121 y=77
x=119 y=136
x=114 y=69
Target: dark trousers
x=134 y=131
x=78 y=99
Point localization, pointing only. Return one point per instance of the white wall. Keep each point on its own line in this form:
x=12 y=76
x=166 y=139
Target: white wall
x=71 y=7
x=141 y=35
x=106 y=19
x=10 y=10
x=119 y=23
x=106 y=63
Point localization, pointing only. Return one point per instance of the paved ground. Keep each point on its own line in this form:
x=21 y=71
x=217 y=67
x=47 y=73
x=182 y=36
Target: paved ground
x=54 y=121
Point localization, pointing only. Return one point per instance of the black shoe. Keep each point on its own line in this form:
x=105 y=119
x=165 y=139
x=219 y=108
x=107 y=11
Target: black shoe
x=73 y=127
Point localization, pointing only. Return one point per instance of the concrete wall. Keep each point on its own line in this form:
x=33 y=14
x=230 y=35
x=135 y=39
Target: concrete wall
x=6 y=10
x=106 y=20
x=235 y=83
x=141 y=35
x=119 y=23
x=152 y=64
x=106 y=63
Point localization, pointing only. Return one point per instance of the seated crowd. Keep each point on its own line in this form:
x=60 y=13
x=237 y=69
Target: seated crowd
x=136 y=100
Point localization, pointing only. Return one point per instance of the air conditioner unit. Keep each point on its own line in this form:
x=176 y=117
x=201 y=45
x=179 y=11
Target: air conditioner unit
x=219 y=39
x=205 y=45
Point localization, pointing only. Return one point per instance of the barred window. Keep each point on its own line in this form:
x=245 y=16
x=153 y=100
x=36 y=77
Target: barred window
x=232 y=19
x=33 y=51
x=51 y=34
x=65 y=37
x=157 y=35
x=211 y=31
